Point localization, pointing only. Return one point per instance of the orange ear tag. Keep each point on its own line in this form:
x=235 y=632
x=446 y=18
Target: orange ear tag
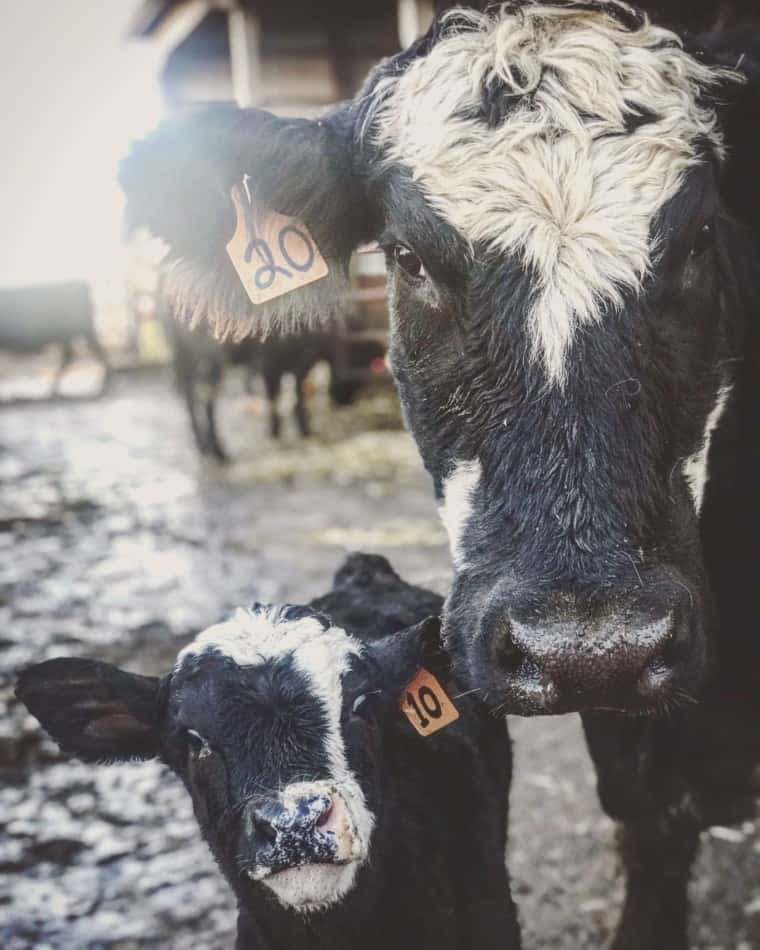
x=426 y=705
x=272 y=253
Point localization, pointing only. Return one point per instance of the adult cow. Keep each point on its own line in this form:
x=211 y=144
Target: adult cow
x=568 y=203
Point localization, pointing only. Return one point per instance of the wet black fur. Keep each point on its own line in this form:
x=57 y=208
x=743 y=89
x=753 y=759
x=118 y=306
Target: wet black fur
x=435 y=879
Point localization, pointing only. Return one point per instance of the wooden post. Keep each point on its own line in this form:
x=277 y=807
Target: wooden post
x=245 y=56
x=414 y=17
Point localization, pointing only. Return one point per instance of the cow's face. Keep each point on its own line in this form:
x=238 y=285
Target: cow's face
x=545 y=181
x=561 y=344
x=275 y=722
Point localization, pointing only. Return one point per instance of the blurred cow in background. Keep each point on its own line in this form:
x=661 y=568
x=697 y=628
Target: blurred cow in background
x=32 y=318
x=199 y=363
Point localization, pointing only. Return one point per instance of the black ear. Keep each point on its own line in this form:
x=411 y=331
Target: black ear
x=737 y=100
x=93 y=710
x=417 y=647
x=741 y=117
x=432 y=653
x=178 y=183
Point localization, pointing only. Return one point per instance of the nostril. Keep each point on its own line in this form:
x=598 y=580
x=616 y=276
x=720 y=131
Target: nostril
x=508 y=656
x=264 y=830
x=325 y=816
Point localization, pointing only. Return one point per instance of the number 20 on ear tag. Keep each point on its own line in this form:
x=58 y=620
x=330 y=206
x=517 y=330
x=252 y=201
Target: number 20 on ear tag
x=272 y=253
x=426 y=705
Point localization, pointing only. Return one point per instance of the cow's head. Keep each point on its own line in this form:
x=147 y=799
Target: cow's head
x=550 y=185
x=276 y=722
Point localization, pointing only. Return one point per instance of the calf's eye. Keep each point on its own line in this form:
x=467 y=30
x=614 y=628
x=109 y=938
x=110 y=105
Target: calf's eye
x=408 y=261
x=197 y=745
x=365 y=704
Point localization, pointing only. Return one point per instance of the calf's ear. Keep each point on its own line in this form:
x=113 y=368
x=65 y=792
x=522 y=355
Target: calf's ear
x=179 y=182
x=417 y=647
x=93 y=710
x=433 y=654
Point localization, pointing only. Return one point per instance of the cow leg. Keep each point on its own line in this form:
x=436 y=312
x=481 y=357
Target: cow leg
x=657 y=856
x=272 y=381
x=67 y=355
x=641 y=786
x=100 y=354
x=214 y=445
x=191 y=402
x=301 y=413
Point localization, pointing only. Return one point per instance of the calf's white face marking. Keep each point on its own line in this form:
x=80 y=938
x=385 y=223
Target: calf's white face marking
x=695 y=466
x=456 y=508
x=561 y=183
x=255 y=637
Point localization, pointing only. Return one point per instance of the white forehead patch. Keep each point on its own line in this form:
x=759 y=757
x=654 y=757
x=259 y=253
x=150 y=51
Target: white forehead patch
x=559 y=183
x=456 y=508
x=251 y=637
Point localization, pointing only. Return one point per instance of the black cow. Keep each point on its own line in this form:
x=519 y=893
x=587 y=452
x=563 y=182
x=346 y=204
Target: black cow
x=570 y=208
x=333 y=821
x=34 y=317
x=199 y=362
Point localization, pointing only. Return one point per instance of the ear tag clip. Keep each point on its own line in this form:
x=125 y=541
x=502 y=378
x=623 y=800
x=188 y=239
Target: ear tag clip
x=426 y=705
x=272 y=253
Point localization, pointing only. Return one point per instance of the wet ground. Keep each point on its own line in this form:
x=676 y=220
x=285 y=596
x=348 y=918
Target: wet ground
x=117 y=541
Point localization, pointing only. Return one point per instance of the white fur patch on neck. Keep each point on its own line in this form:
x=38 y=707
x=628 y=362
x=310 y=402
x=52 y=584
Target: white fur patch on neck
x=257 y=636
x=456 y=508
x=560 y=182
x=695 y=467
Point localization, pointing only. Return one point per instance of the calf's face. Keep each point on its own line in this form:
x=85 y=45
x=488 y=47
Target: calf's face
x=546 y=181
x=273 y=720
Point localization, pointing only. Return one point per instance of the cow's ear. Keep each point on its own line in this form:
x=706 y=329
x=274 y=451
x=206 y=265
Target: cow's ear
x=93 y=710
x=741 y=124
x=432 y=652
x=418 y=647
x=179 y=183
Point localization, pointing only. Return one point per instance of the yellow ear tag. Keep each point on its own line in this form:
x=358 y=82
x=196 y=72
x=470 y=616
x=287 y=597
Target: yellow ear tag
x=426 y=705
x=272 y=253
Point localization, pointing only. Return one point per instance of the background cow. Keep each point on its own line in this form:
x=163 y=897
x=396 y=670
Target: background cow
x=32 y=318
x=570 y=213
x=335 y=823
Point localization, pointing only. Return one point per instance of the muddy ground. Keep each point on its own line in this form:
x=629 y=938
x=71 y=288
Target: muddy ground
x=117 y=541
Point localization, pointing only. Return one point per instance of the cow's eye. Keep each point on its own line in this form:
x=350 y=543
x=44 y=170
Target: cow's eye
x=408 y=261
x=365 y=704
x=197 y=745
x=703 y=240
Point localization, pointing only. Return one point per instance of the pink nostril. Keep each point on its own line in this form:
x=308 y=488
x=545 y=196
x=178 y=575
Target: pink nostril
x=325 y=816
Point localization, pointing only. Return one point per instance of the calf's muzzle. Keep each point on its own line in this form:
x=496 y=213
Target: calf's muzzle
x=291 y=830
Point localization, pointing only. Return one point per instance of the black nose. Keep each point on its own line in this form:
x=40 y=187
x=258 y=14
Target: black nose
x=622 y=658
x=284 y=836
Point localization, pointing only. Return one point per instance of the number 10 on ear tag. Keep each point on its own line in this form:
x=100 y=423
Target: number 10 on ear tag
x=426 y=705
x=272 y=253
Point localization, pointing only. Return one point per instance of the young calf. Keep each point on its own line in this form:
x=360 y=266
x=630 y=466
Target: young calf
x=334 y=822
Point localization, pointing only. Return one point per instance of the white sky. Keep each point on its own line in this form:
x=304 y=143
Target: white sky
x=73 y=95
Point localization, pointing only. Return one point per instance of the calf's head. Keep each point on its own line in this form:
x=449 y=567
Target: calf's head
x=553 y=188
x=276 y=723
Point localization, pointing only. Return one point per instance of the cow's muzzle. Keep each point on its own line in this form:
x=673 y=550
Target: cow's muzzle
x=634 y=654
